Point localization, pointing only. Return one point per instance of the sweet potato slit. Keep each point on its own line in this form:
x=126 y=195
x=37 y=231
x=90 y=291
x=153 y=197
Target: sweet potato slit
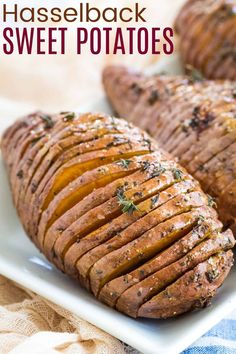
x=224 y=149
x=87 y=189
x=100 y=236
x=102 y=184
x=73 y=199
x=136 y=262
x=43 y=189
x=38 y=149
x=111 y=216
x=198 y=233
x=19 y=144
x=127 y=239
x=73 y=172
x=206 y=277
x=60 y=152
x=132 y=179
x=157 y=282
x=85 y=132
x=210 y=112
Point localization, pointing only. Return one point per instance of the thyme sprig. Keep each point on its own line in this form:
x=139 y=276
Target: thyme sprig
x=211 y=202
x=68 y=116
x=124 y=163
x=127 y=205
x=177 y=173
x=48 y=122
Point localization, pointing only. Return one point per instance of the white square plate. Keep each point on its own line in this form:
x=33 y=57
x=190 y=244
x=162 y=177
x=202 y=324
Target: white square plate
x=21 y=261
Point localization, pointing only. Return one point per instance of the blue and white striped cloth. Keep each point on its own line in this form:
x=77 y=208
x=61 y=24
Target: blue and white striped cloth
x=221 y=339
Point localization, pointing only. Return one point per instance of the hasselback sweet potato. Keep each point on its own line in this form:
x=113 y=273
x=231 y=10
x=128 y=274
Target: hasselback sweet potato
x=197 y=286
x=207 y=31
x=172 y=254
x=193 y=120
x=114 y=211
x=153 y=284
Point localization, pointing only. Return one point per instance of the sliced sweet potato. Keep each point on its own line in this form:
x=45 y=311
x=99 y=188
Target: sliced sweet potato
x=201 y=120
x=214 y=147
x=219 y=165
x=128 y=238
x=111 y=208
x=210 y=45
x=203 y=228
x=40 y=185
x=221 y=65
x=61 y=128
x=15 y=132
x=80 y=149
x=79 y=165
x=37 y=146
x=100 y=236
x=157 y=282
x=217 y=132
x=81 y=129
x=202 y=38
x=87 y=192
x=71 y=195
x=70 y=138
x=204 y=279
x=86 y=184
x=206 y=49
x=58 y=146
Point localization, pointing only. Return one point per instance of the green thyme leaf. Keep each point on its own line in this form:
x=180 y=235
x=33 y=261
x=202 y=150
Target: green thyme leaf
x=47 y=120
x=128 y=206
x=124 y=163
x=211 y=202
x=69 y=116
x=178 y=174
